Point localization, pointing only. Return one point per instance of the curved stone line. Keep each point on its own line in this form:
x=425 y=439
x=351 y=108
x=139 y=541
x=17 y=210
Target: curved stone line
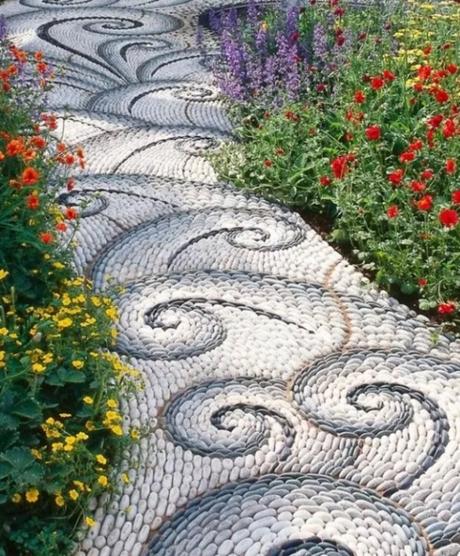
x=43 y=32
x=313 y=546
x=152 y=144
x=303 y=385
x=321 y=504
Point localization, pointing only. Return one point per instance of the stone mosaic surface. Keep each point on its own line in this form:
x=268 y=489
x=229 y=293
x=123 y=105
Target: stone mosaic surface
x=288 y=407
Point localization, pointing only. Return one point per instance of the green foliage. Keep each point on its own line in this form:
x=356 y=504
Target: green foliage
x=60 y=422
x=379 y=155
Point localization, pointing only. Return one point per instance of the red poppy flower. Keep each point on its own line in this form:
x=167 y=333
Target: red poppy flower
x=418 y=87
x=424 y=72
x=325 y=180
x=61 y=226
x=446 y=308
x=450 y=166
x=407 y=156
x=427 y=50
x=32 y=201
x=396 y=176
x=38 y=55
x=30 y=176
x=449 y=128
x=392 y=211
x=417 y=186
x=46 y=237
x=456 y=197
x=268 y=163
x=388 y=75
x=70 y=184
x=448 y=218
x=425 y=203
x=291 y=116
x=339 y=166
x=359 y=96
x=416 y=145
x=373 y=133
x=427 y=174
x=71 y=213
x=440 y=95
x=435 y=121
x=377 y=82
x=452 y=68
x=422 y=282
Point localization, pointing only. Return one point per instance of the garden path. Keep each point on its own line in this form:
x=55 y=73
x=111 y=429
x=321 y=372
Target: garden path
x=288 y=407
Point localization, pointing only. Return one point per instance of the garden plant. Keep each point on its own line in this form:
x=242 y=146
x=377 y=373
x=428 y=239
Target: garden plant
x=352 y=111
x=60 y=421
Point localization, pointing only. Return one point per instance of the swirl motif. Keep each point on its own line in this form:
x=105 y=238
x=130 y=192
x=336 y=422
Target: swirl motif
x=263 y=516
x=359 y=409
x=179 y=315
x=253 y=230
x=243 y=414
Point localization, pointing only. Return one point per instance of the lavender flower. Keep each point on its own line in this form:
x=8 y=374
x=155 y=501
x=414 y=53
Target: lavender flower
x=320 y=44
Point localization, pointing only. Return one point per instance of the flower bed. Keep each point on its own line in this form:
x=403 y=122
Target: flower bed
x=373 y=142
x=60 y=424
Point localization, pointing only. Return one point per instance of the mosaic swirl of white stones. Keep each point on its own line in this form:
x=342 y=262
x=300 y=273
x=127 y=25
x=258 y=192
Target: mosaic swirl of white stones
x=288 y=409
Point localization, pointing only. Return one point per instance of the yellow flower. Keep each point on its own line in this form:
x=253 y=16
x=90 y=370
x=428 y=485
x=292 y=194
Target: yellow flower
x=48 y=358
x=78 y=364
x=3 y=331
x=116 y=429
x=58 y=265
x=135 y=434
x=125 y=478
x=59 y=500
x=82 y=436
x=89 y=425
x=57 y=446
x=65 y=415
x=32 y=495
x=90 y=521
x=2 y=359
x=113 y=404
x=88 y=400
x=96 y=301
x=73 y=494
x=112 y=416
x=79 y=485
x=36 y=453
x=3 y=274
x=38 y=368
x=16 y=498
x=102 y=480
x=112 y=313
x=101 y=459
x=64 y=323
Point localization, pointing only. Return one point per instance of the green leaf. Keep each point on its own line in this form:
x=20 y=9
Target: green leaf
x=68 y=375
x=29 y=409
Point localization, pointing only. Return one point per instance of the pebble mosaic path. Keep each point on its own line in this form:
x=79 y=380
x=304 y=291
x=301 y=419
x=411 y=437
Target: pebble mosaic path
x=290 y=409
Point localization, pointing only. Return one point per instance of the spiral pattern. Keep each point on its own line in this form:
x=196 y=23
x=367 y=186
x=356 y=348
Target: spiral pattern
x=288 y=408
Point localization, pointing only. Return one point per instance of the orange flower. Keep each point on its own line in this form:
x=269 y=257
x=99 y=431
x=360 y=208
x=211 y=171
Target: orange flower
x=2 y=156
x=15 y=147
x=46 y=237
x=71 y=213
x=29 y=154
x=38 y=56
x=60 y=147
x=33 y=201
x=79 y=152
x=30 y=176
x=61 y=226
x=38 y=142
x=69 y=159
